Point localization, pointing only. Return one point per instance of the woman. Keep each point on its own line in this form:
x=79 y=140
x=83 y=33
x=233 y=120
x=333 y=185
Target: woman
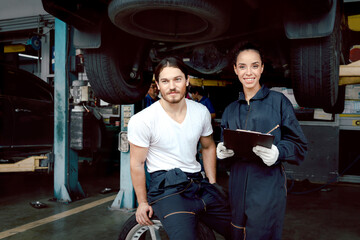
x=257 y=184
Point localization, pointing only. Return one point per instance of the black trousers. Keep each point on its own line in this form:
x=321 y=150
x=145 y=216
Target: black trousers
x=181 y=199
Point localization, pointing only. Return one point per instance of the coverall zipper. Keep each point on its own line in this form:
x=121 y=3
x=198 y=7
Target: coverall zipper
x=247 y=116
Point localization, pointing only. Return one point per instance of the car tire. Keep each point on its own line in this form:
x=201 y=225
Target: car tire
x=133 y=230
x=315 y=69
x=171 y=20
x=109 y=69
x=340 y=103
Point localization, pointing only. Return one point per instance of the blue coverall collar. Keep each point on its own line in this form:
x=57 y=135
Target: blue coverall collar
x=262 y=93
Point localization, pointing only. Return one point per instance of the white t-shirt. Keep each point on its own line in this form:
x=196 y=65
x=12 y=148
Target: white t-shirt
x=170 y=144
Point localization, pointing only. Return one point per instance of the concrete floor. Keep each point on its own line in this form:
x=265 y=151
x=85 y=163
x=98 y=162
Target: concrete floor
x=331 y=214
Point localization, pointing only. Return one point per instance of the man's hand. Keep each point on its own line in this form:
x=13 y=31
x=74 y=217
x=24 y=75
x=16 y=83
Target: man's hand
x=223 y=191
x=143 y=214
x=222 y=152
x=268 y=155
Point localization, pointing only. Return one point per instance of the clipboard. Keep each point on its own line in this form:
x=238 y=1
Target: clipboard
x=242 y=141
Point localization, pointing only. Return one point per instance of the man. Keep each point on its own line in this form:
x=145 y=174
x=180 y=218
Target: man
x=197 y=94
x=152 y=95
x=166 y=136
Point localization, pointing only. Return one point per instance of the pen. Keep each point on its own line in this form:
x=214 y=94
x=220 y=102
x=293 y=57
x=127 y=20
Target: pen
x=273 y=129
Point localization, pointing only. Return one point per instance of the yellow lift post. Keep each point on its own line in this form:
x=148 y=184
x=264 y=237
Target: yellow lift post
x=209 y=83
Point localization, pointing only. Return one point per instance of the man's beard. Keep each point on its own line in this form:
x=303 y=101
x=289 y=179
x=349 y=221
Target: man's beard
x=172 y=100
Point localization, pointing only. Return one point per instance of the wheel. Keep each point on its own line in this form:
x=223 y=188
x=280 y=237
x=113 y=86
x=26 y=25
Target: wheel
x=340 y=103
x=171 y=20
x=315 y=69
x=134 y=231
x=109 y=69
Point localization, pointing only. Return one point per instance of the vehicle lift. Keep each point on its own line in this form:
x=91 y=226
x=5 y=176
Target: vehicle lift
x=125 y=198
x=66 y=184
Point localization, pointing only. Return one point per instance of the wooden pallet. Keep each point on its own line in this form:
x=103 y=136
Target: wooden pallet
x=350 y=74
x=30 y=164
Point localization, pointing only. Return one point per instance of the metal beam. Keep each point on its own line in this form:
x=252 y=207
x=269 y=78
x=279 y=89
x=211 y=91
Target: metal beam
x=66 y=160
x=126 y=195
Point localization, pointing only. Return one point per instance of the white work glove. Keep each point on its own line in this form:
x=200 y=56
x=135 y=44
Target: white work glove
x=268 y=155
x=222 y=152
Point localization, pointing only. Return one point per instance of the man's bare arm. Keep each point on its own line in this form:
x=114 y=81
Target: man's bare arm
x=209 y=157
x=137 y=162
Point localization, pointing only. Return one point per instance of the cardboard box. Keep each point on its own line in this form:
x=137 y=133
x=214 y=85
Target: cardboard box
x=289 y=93
x=352 y=92
x=352 y=107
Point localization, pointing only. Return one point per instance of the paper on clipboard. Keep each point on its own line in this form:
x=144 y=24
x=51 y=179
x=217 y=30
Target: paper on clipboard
x=242 y=141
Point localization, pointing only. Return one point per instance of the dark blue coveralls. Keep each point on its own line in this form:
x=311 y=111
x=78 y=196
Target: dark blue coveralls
x=181 y=199
x=258 y=192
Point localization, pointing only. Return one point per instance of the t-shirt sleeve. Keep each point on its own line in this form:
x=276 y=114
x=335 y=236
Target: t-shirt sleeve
x=207 y=127
x=138 y=132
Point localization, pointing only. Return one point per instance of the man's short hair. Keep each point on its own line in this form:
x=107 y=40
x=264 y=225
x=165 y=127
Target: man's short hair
x=170 y=62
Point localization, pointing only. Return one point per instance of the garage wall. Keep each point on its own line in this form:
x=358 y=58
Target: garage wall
x=322 y=162
x=19 y=21
x=20 y=8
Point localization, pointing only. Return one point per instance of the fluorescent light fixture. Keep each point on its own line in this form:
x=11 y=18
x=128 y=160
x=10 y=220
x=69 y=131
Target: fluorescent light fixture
x=28 y=56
